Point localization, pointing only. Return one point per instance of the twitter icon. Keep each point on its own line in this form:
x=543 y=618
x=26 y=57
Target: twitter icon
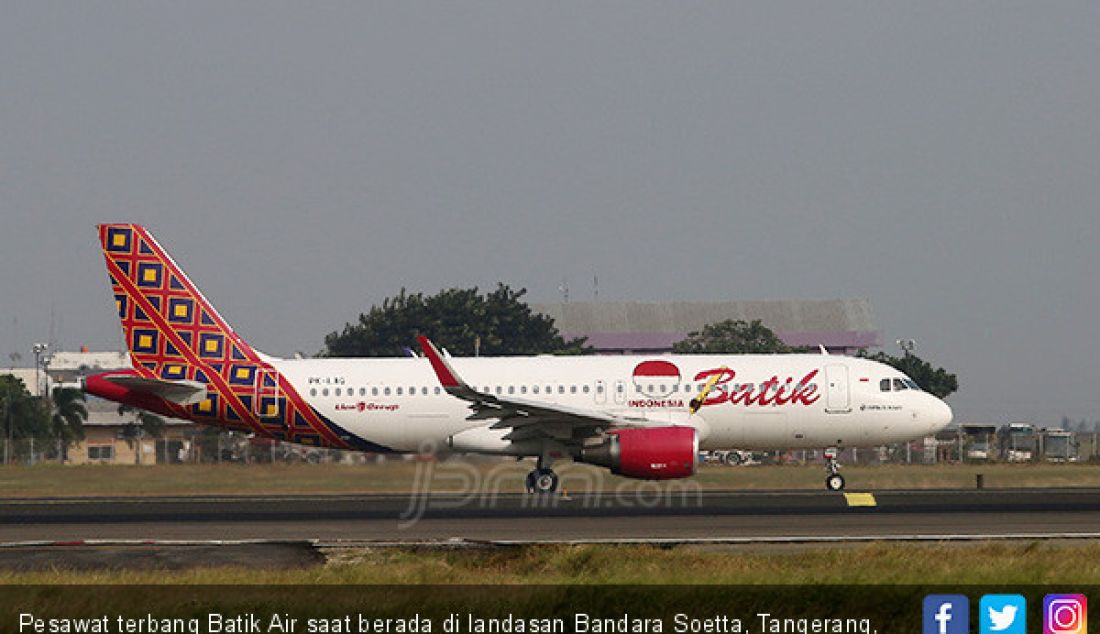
x=1003 y=614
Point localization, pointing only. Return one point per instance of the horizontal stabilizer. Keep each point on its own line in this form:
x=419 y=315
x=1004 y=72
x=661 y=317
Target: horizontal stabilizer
x=178 y=392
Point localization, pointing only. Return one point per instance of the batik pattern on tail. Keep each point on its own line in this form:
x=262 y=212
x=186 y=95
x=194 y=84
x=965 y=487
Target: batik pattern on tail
x=174 y=333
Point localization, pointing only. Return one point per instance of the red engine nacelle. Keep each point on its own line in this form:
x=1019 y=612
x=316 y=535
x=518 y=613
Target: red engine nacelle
x=652 y=453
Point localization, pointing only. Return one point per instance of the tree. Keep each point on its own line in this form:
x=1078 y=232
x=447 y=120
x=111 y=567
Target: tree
x=69 y=414
x=935 y=381
x=210 y=442
x=462 y=320
x=145 y=424
x=733 y=336
x=24 y=415
x=27 y=415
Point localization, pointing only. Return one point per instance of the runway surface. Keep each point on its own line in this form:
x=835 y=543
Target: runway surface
x=660 y=513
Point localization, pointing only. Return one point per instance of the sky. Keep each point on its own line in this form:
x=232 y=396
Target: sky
x=303 y=161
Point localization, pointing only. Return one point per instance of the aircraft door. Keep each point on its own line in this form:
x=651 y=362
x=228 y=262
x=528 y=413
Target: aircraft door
x=620 y=392
x=837 y=398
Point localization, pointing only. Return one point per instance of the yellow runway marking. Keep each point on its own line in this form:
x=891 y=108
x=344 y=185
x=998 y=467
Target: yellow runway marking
x=860 y=499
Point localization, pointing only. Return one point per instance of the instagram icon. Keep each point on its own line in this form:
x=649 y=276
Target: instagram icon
x=1065 y=614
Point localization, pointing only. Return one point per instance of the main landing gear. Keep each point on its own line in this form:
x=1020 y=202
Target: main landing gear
x=834 y=481
x=542 y=480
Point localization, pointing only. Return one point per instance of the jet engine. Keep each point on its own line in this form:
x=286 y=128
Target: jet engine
x=648 y=453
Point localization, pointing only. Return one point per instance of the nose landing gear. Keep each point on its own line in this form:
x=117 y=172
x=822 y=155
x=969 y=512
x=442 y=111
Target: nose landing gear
x=833 y=481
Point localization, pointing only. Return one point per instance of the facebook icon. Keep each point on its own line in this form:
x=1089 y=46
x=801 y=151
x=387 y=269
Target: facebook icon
x=946 y=614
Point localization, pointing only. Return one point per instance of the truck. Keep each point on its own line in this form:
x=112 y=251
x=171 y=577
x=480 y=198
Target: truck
x=1019 y=442
x=978 y=441
x=1059 y=445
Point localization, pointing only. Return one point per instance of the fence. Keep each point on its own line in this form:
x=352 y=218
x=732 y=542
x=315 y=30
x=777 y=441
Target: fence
x=198 y=448
x=232 y=448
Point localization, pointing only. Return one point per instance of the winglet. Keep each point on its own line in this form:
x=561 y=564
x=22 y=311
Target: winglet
x=448 y=378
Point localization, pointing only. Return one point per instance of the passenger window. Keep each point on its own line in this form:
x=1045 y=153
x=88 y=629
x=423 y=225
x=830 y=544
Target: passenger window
x=884 y=385
x=585 y=389
x=313 y=391
x=899 y=385
x=374 y=391
x=337 y=392
x=572 y=389
x=412 y=391
x=549 y=389
x=599 y=388
x=399 y=392
x=511 y=389
x=498 y=390
x=619 y=387
x=535 y=390
x=387 y=391
x=561 y=389
x=437 y=390
x=424 y=391
x=523 y=389
x=324 y=392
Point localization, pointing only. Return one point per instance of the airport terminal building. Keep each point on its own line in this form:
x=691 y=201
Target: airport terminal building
x=843 y=326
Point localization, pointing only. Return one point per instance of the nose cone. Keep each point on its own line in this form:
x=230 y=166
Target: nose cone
x=939 y=414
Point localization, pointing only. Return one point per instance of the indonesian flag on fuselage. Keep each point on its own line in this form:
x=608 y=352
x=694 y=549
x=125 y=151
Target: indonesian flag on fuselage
x=656 y=378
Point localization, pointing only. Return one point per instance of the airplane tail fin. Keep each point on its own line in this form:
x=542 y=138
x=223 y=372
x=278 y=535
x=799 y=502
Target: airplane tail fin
x=188 y=362
x=171 y=330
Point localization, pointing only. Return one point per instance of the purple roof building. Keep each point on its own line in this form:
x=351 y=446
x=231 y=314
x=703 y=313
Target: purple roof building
x=843 y=326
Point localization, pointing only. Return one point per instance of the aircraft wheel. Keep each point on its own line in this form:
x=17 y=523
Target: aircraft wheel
x=542 y=481
x=834 y=482
x=733 y=459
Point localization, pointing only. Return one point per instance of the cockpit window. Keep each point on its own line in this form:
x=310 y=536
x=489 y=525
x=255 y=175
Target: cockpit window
x=912 y=384
x=884 y=385
x=900 y=385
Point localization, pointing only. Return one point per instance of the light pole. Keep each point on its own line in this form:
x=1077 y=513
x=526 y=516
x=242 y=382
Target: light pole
x=7 y=415
x=46 y=360
x=907 y=346
x=38 y=349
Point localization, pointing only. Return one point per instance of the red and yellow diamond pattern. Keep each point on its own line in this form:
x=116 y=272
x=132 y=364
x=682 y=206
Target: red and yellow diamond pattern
x=173 y=333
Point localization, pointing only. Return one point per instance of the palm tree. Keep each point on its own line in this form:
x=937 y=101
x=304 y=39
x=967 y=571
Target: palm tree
x=147 y=424
x=69 y=414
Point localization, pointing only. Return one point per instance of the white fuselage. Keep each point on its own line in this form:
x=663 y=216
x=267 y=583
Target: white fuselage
x=761 y=401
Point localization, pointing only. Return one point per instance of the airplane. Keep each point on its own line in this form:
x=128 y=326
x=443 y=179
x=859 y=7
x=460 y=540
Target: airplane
x=645 y=417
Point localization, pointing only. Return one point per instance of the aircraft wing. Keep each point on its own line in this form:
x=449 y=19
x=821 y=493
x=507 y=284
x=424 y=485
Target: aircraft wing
x=526 y=418
x=179 y=392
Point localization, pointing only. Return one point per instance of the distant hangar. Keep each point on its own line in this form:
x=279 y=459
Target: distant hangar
x=843 y=326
